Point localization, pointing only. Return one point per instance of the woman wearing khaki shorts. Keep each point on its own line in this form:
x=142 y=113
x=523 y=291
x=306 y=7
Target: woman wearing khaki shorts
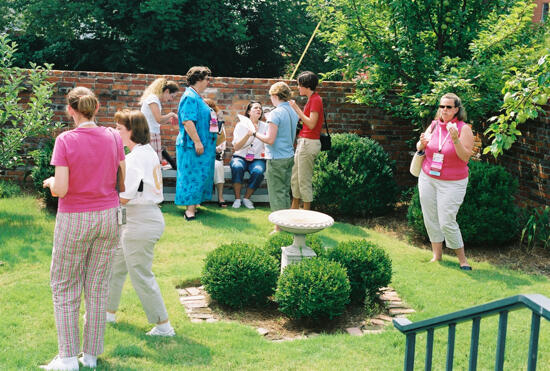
x=308 y=144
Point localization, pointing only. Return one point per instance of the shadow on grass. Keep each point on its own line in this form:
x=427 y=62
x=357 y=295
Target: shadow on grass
x=170 y=351
x=218 y=219
x=23 y=237
x=510 y=279
x=351 y=231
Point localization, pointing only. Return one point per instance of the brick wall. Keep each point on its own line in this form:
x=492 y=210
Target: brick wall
x=529 y=159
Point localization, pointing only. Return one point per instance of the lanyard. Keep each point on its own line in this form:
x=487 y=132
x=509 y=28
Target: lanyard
x=440 y=145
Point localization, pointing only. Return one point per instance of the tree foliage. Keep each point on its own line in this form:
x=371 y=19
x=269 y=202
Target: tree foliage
x=233 y=38
x=21 y=121
x=405 y=54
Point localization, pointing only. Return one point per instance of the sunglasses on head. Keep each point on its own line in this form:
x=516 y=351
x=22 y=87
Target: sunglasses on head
x=443 y=106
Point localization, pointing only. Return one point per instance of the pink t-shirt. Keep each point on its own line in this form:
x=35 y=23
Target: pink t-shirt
x=92 y=157
x=453 y=167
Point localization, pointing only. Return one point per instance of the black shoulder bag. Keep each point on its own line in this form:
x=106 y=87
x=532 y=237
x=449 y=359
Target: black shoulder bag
x=326 y=143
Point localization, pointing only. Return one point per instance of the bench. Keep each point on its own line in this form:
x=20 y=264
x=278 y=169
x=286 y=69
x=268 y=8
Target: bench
x=260 y=195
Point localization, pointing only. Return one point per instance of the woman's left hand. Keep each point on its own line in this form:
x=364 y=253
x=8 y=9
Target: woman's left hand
x=48 y=182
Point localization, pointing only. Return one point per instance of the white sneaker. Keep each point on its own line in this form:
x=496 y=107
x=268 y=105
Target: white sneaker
x=248 y=203
x=58 y=363
x=110 y=317
x=88 y=360
x=237 y=203
x=156 y=332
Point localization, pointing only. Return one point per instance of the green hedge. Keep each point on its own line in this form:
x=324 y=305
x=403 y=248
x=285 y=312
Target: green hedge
x=9 y=189
x=314 y=288
x=368 y=267
x=43 y=170
x=356 y=177
x=488 y=214
x=239 y=275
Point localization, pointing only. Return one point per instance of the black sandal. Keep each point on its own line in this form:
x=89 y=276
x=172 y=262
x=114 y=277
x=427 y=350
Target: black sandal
x=188 y=218
x=222 y=204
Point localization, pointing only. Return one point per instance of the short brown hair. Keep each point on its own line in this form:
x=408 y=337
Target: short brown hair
x=83 y=100
x=281 y=90
x=135 y=122
x=308 y=79
x=196 y=74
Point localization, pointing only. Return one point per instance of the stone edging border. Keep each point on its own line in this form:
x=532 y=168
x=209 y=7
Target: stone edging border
x=196 y=300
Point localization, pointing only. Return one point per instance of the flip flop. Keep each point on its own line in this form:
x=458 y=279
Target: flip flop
x=465 y=267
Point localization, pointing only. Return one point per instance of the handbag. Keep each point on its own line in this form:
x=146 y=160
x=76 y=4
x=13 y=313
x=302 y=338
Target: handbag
x=416 y=163
x=417 y=160
x=326 y=141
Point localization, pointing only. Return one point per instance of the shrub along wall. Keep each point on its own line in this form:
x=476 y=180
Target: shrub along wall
x=529 y=160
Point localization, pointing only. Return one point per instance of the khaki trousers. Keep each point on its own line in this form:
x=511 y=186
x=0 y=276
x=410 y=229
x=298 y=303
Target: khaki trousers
x=302 y=171
x=144 y=226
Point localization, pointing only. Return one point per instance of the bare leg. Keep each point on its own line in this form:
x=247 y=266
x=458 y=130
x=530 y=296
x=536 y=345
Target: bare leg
x=295 y=203
x=219 y=188
x=237 y=190
x=248 y=193
x=191 y=210
x=461 y=257
x=437 y=249
x=307 y=205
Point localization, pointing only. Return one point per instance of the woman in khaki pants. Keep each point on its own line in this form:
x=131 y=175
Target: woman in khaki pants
x=144 y=225
x=308 y=144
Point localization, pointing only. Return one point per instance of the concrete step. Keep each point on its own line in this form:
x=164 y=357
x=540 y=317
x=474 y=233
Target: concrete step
x=260 y=195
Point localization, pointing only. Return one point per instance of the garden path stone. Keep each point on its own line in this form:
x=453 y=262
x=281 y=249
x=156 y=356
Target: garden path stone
x=194 y=297
x=262 y=331
x=354 y=331
x=194 y=291
x=397 y=311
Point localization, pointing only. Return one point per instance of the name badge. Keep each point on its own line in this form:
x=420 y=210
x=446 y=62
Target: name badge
x=437 y=164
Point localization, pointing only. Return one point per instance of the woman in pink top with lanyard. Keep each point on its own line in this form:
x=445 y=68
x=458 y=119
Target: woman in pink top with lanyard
x=442 y=183
x=86 y=233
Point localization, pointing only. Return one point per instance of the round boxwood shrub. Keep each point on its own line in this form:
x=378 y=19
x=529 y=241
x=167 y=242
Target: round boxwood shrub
x=239 y=275
x=314 y=288
x=276 y=241
x=488 y=214
x=368 y=266
x=356 y=177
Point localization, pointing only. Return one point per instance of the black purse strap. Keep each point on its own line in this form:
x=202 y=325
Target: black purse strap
x=325 y=119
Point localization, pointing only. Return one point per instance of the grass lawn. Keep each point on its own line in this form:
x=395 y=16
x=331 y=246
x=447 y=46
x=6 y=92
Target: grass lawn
x=28 y=336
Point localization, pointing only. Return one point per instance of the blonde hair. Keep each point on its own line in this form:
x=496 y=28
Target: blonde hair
x=281 y=90
x=83 y=101
x=157 y=87
x=461 y=114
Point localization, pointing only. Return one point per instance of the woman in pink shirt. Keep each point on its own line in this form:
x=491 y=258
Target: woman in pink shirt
x=448 y=143
x=86 y=160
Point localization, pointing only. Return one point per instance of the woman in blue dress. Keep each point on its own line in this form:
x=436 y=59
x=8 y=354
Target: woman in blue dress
x=195 y=145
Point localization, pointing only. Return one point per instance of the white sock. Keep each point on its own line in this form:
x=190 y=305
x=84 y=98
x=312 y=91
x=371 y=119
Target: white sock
x=89 y=359
x=110 y=317
x=164 y=327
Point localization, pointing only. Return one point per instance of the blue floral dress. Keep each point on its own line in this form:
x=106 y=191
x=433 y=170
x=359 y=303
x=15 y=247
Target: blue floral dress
x=195 y=173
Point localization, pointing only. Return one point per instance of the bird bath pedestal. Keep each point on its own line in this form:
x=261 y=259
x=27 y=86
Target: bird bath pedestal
x=299 y=223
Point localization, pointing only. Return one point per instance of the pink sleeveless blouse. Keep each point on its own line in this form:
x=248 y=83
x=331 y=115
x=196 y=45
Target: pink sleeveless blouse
x=453 y=167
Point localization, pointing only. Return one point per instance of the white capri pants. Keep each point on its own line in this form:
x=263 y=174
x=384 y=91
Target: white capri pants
x=219 y=176
x=143 y=229
x=440 y=201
